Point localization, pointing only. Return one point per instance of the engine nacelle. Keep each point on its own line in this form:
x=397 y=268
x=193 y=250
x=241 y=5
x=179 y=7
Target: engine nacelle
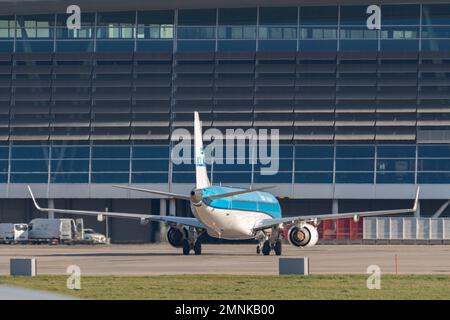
x=306 y=236
x=176 y=236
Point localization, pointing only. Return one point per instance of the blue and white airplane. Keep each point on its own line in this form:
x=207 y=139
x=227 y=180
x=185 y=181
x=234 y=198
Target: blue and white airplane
x=230 y=213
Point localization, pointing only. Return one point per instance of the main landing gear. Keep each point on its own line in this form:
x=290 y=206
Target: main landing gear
x=193 y=242
x=269 y=243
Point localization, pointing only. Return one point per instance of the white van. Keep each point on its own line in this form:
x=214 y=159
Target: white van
x=13 y=232
x=52 y=230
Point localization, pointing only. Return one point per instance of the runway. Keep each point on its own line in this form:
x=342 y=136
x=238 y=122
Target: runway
x=154 y=259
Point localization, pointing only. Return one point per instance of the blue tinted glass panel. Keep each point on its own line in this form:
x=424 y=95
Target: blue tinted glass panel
x=434 y=151
x=314 y=165
x=395 y=165
x=155 y=152
x=196 y=46
x=114 y=18
x=281 y=177
x=150 y=165
x=396 y=151
x=3 y=178
x=278 y=16
x=307 y=151
x=154 y=45
x=74 y=46
x=34 y=46
x=4 y=152
x=435 y=14
x=183 y=177
x=277 y=45
x=232 y=16
x=318 y=45
x=183 y=167
x=436 y=32
x=355 y=151
x=153 y=177
x=400 y=14
x=69 y=152
x=395 y=177
x=354 y=164
x=354 y=177
x=433 y=177
x=70 y=165
x=354 y=15
x=232 y=177
x=69 y=178
x=6 y=46
x=319 y=15
x=435 y=45
x=110 y=165
x=3 y=166
x=316 y=177
x=29 y=166
x=203 y=17
x=234 y=167
x=358 y=45
x=237 y=45
x=109 y=178
x=401 y=45
x=283 y=164
x=29 y=152
x=115 y=46
x=286 y=151
x=434 y=164
x=155 y=17
x=28 y=178
x=110 y=152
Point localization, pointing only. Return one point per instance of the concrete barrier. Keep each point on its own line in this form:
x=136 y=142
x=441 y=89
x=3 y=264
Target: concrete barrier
x=293 y=266
x=22 y=267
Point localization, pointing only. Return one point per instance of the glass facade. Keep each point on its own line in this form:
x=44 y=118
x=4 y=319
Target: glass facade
x=405 y=28
x=304 y=163
x=353 y=105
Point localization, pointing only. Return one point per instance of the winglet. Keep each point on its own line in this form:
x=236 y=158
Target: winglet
x=416 y=200
x=34 y=200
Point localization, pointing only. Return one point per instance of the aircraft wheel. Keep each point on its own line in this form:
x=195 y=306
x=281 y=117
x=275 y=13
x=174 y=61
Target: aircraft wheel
x=258 y=249
x=186 y=247
x=266 y=248
x=277 y=248
x=198 y=247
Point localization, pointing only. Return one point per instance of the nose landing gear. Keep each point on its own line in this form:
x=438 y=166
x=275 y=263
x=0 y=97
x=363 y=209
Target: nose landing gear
x=193 y=242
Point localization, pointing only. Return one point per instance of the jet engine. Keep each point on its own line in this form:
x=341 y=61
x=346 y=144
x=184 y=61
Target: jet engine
x=304 y=236
x=176 y=236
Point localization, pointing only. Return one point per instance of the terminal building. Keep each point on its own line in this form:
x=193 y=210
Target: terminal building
x=363 y=113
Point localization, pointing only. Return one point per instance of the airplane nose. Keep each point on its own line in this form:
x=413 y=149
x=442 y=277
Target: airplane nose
x=196 y=196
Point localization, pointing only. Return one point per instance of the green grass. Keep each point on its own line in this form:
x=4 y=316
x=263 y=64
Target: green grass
x=243 y=287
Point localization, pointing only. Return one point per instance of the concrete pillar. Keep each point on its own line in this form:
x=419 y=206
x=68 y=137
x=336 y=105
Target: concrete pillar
x=417 y=213
x=162 y=225
x=335 y=206
x=51 y=204
x=172 y=207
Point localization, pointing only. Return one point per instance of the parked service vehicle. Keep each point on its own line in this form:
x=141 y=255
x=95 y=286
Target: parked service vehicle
x=13 y=233
x=55 y=230
x=94 y=237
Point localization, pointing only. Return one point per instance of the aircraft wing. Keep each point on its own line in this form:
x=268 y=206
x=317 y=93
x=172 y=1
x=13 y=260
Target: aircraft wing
x=191 y=222
x=162 y=193
x=268 y=223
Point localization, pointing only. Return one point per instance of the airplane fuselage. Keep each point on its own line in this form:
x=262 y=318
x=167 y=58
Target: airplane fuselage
x=234 y=217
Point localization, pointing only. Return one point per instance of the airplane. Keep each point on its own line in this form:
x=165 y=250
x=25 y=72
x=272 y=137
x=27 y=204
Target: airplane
x=230 y=213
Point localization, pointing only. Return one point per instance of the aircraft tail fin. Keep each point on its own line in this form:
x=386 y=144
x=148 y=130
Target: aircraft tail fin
x=201 y=174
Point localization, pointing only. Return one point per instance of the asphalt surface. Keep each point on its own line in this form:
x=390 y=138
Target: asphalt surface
x=154 y=259
x=13 y=293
